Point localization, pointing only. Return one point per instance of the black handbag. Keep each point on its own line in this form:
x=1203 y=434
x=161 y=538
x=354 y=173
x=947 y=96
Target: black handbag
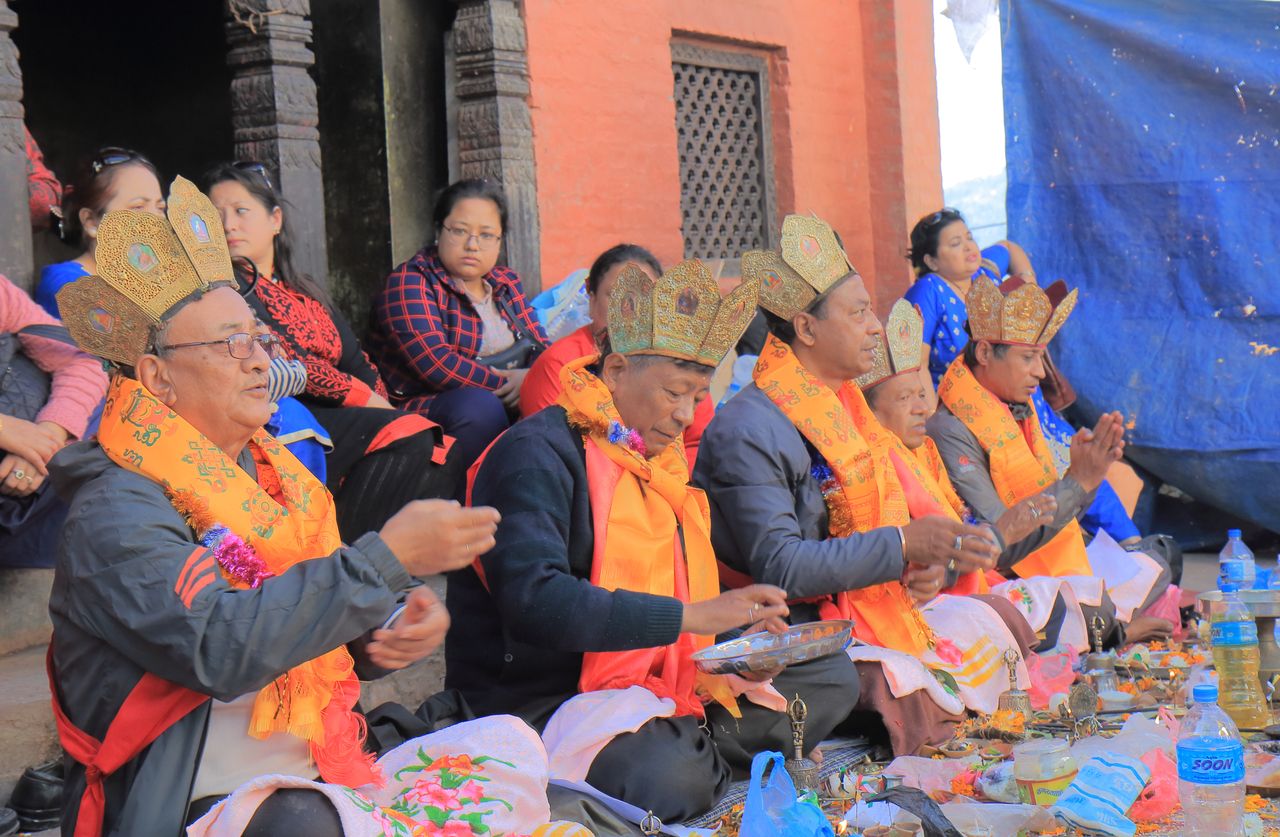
x=522 y=353
x=24 y=390
x=25 y=387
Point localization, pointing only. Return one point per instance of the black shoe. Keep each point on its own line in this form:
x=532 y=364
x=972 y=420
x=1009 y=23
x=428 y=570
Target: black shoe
x=8 y=822
x=37 y=798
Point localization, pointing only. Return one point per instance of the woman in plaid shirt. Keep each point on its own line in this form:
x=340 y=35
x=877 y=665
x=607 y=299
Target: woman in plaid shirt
x=450 y=308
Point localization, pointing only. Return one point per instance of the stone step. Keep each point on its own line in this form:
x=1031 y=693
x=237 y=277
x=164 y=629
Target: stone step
x=24 y=609
x=27 y=733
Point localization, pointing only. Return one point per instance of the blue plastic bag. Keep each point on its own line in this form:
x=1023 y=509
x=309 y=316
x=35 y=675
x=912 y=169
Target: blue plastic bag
x=773 y=810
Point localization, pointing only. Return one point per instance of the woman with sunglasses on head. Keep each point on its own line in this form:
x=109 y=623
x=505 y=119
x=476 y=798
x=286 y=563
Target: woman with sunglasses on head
x=112 y=178
x=453 y=334
x=947 y=260
x=382 y=458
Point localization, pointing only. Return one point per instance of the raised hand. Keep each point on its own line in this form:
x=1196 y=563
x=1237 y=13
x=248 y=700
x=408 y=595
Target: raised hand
x=419 y=631
x=435 y=536
x=957 y=546
x=1093 y=451
x=924 y=582
x=1025 y=517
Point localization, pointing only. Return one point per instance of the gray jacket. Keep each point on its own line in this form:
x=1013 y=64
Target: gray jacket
x=969 y=468
x=117 y=615
x=768 y=518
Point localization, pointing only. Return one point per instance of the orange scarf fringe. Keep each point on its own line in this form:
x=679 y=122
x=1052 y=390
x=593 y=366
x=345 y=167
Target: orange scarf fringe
x=1021 y=465
x=652 y=534
x=314 y=700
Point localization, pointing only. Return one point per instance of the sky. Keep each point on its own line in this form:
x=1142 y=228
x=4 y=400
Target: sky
x=971 y=117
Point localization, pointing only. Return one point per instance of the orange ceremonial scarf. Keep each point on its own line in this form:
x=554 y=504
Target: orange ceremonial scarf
x=314 y=700
x=652 y=534
x=1021 y=465
x=929 y=491
x=869 y=495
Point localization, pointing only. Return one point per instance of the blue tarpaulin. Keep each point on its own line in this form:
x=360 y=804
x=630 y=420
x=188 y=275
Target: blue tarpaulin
x=1143 y=143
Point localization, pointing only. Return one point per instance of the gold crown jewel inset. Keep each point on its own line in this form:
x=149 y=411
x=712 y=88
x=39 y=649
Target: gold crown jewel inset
x=146 y=266
x=807 y=264
x=1017 y=311
x=680 y=315
x=900 y=348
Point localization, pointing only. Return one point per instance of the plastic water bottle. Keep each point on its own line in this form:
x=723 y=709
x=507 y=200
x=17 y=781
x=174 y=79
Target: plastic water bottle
x=1235 y=656
x=1235 y=563
x=743 y=367
x=1210 y=769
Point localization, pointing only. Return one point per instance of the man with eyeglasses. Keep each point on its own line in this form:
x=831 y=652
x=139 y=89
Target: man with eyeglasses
x=209 y=623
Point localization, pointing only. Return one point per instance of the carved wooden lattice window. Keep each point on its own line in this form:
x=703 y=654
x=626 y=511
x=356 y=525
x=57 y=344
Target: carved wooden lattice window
x=726 y=166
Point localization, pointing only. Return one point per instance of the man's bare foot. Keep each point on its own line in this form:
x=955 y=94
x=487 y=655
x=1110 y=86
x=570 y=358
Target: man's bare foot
x=1144 y=628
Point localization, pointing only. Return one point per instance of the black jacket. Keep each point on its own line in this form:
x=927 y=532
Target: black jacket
x=116 y=615
x=516 y=646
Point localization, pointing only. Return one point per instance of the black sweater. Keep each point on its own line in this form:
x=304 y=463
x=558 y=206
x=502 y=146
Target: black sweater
x=516 y=644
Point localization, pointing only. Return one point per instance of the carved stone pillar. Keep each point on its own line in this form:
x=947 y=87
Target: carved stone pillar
x=495 y=131
x=15 y=214
x=274 y=115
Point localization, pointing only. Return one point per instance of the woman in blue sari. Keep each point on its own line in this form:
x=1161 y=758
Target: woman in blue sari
x=947 y=260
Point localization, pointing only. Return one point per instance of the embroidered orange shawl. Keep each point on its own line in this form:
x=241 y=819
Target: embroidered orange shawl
x=652 y=534
x=313 y=701
x=869 y=495
x=1021 y=465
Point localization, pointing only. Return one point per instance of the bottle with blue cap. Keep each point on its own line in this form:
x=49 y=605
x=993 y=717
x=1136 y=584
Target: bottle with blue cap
x=1235 y=563
x=1211 y=782
x=1235 y=656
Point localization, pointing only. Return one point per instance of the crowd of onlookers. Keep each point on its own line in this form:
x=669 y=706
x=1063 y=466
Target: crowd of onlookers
x=395 y=413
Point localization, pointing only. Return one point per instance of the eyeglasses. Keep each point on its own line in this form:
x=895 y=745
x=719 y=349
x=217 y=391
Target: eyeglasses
x=944 y=214
x=239 y=345
x=458 y=235
x=112 y=156
x=257 y=168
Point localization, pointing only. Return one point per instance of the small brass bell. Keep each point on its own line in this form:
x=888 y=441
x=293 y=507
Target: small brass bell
x=1014 y=700
x=803 y=771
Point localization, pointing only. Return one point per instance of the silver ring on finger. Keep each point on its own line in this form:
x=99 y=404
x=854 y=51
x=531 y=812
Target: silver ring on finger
x=1035 y=512
x=19 y=474
x=959 y=544
x=951 y=565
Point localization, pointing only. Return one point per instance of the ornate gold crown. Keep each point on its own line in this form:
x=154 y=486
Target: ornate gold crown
x=1017 y=311
x=680 y=315
x=146 y=266
x=899 y=348
x=808 y=263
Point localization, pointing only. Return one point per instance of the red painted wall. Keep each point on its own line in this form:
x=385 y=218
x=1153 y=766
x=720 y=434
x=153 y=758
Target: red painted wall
x=605 y=134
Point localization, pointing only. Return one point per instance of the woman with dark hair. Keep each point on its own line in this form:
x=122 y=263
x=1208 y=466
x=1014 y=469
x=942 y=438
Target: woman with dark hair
x=947 y=260
x=382 y=457
x=453 y=334
x=542 y=384
x=112 y=178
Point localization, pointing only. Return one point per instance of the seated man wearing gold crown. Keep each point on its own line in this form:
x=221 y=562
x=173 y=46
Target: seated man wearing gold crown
x=603 y=583
x=990 y=441
x=802 y=498
x=209 y=624
x=900 y=402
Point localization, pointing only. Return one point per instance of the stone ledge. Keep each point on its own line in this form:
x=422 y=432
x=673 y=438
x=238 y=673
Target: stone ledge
x=24 y=609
